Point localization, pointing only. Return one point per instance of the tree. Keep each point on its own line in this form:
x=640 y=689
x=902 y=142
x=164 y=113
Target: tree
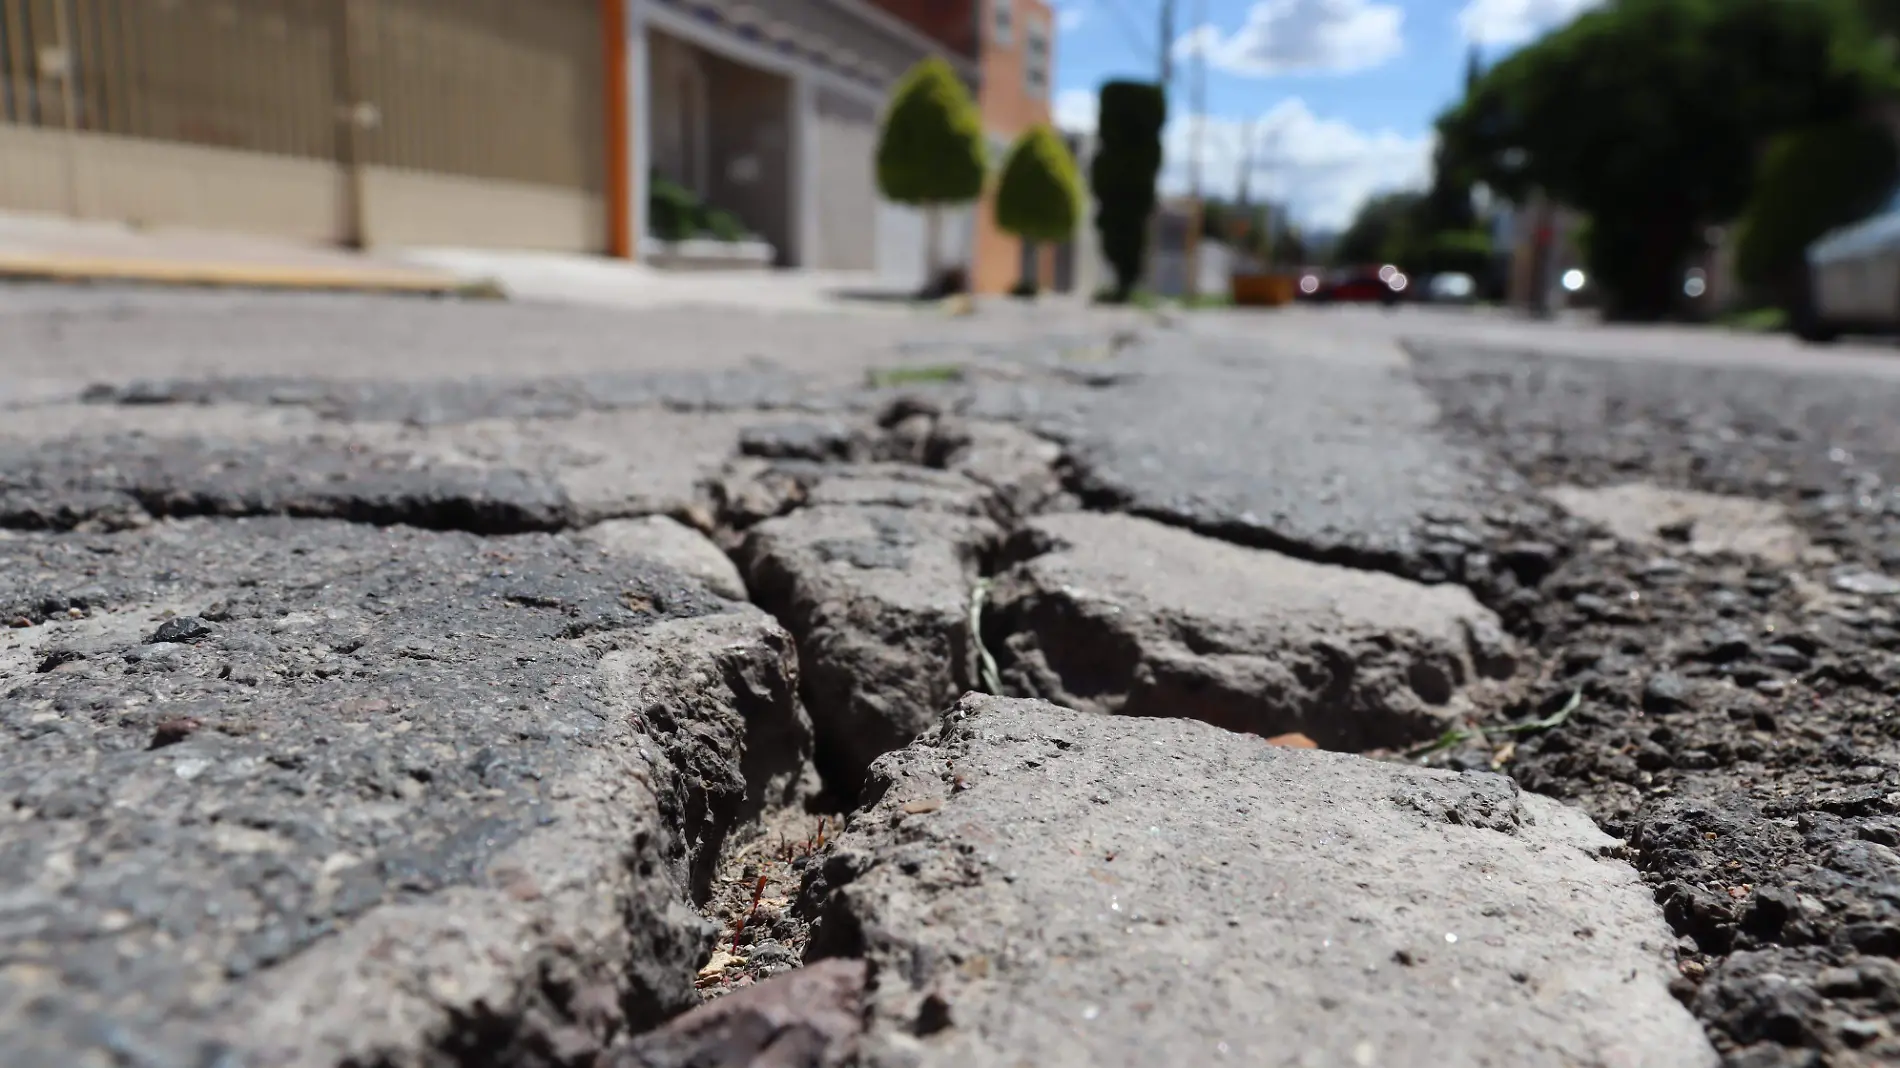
x=1291 y=249
x=1039 y=197
x=1648 y=115
x=1381 y=231
x=931 y=151
x=1127 y=162
x=1812 y=181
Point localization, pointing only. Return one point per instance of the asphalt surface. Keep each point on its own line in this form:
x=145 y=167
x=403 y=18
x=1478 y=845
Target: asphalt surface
x=340 y=625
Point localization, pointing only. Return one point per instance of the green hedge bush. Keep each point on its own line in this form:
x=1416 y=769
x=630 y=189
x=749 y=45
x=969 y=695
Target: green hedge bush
x=1127 y=163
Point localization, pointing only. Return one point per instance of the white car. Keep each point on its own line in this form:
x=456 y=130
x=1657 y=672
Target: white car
x=1453 y=287
x=1854 y=280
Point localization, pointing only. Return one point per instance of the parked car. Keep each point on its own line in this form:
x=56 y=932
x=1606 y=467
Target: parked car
x=1853 y=280
x=1359 y=285
x=1452 y=287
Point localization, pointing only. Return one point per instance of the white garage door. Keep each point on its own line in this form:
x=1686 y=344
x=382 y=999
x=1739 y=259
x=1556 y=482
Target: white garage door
x=903 y=235
x=847 y=184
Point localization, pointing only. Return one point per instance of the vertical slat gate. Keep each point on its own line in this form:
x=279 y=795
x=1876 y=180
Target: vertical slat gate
x=245 y=74
x=501 y=95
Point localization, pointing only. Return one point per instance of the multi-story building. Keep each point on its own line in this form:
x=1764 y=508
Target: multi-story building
x=531 y=124
x=770 y=111
x=528 y=124
x=1018 y=72
x=481 y=122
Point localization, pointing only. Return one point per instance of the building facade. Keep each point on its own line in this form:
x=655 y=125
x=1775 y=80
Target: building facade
x=770 y=113
x=1017 y=75
x=470 y=122
x=556 y=125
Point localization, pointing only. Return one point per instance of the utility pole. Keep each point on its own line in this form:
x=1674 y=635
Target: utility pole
x=1198 y=136
x=1167 y=43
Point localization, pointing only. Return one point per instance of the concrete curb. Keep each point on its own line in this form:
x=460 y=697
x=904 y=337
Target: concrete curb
x=237 y=275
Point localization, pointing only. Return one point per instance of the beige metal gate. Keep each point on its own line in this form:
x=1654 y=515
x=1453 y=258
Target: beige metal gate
x=467 y=122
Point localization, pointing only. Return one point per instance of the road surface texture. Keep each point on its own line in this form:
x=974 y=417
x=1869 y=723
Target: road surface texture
x=391 y=683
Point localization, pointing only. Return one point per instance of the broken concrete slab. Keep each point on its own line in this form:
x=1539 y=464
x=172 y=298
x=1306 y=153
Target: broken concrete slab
x=749 y=490
x=1020 y=469
x=879 y=599
x=914 y=457
x=806 y=1018
x=670 y=542
x=1260 y=443
x=1706 y=524
x=364 y=796
x=1035 y=885
x=1126 y=615
x=489 y=476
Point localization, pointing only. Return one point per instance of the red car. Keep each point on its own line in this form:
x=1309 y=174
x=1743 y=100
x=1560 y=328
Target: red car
x=1360 y=285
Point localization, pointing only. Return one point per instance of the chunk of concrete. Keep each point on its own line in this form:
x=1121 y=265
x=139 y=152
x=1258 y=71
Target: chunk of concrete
x=808 y=1018
x=1125 y=615
x=1704 y=523
x=1035 y=885
x=493 y=476
x=879 y=600
x=1017 y=467
x=671 y=542
x=402 y=795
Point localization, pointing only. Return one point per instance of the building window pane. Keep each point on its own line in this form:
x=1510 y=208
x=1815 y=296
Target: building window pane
x=1036 y=62
x=1003 y=19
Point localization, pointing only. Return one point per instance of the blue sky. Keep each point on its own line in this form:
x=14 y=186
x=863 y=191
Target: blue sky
x=1338 y=96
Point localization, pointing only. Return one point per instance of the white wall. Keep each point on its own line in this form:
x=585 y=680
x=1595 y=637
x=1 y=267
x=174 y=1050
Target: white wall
x=902 y=237
x=1167 y=270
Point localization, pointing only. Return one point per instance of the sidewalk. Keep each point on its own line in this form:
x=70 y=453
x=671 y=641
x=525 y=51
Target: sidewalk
x=58 y=249
x=595 y=280
x=52 y=248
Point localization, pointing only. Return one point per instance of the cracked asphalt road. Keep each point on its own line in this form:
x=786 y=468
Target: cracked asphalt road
x=380 y=687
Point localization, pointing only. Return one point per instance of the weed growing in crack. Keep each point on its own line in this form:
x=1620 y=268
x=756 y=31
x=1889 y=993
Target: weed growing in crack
x=927 y=374
x=987 y=674
x=1458 y=736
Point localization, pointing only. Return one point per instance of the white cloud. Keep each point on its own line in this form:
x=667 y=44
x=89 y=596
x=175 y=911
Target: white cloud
x=1303 y=37
x=1322 y=168
x=1075 y=110
x=1512 y=22
x=1070 y=16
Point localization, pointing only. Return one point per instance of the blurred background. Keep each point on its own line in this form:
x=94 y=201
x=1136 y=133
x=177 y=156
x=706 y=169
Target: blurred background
x=1647 y=158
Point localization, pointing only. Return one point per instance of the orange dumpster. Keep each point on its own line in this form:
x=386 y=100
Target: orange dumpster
x=1262 y=290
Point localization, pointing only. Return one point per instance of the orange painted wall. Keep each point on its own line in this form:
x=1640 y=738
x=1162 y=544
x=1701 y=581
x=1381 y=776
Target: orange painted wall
x=1009 y=107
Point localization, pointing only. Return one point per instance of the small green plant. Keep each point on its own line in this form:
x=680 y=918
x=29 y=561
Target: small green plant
x=675 y=214
x=725 y=226
x=1757 y=320
x=911 y=376
x=931 y=151
x=672 y=209
x=1039 y=197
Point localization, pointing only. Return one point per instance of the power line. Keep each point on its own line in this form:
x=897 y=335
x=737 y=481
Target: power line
x=1167 y=44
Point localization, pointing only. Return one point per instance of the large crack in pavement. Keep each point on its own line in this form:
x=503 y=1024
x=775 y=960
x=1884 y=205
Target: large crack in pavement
x=991 y=874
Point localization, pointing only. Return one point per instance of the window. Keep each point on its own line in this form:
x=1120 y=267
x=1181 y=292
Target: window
x=1036 y=59
x=1002 y=14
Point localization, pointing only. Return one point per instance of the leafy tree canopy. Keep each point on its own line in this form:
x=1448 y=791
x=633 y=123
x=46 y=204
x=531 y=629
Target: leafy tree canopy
x=1648 y=116
x=1039 y=196
x=931 y=150
x=1812 y=180
x=1383 y=227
